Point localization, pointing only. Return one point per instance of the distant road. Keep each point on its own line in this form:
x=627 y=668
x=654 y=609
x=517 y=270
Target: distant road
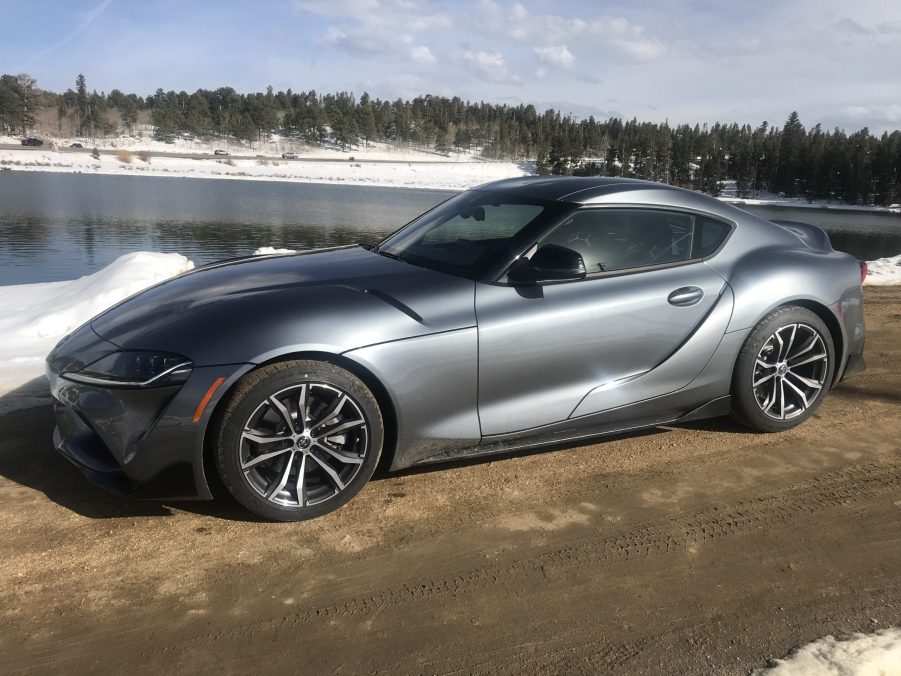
x=211 y=156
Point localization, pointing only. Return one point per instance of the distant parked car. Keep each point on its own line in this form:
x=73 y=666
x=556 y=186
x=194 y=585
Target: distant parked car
x=76 y=145
x=32 y=141
x=221 y=152
x=289 y=156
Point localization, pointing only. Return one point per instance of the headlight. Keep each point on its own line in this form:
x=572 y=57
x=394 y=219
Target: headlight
x=135 y=368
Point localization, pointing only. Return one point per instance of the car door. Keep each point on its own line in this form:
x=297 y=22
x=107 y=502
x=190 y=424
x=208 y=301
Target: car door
x=543 y=348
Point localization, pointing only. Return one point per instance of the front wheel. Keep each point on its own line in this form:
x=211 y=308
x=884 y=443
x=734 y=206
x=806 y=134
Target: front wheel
x=783 y=371
x=297 y=439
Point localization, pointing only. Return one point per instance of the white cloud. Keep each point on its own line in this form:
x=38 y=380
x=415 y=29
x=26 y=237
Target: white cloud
x=422 y=54
x=557 y=55
x=628 y=38
x=380 y=27
x=488 y=65
x=884 y=113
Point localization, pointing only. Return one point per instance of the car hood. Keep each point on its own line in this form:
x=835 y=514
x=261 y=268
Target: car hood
x=253 y=309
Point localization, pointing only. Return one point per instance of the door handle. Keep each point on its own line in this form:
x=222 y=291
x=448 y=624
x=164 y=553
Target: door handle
x=685 y=296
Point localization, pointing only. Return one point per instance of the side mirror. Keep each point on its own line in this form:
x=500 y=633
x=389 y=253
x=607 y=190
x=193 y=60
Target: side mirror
x=551 y=263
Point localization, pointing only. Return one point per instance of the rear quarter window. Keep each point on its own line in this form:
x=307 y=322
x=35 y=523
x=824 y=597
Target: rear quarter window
x=709 y=235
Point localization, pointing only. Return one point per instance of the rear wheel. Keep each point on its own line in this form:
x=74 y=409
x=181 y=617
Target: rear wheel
x=783 y=370
x=298 y=439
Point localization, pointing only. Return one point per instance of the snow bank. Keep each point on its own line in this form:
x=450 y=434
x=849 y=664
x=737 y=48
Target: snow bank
x=445 y=175
x=876 y=654
x=269 y=250
x=884 y=271
x=33 y=317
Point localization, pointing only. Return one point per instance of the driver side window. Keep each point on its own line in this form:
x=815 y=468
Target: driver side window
x=619 y=239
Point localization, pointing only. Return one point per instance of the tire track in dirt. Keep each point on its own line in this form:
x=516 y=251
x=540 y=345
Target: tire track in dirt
x=844 y=488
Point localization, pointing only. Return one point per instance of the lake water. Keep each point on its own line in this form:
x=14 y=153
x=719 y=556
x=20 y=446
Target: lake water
x=63 y=226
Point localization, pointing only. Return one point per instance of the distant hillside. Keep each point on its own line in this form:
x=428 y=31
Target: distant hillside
x=855 y=167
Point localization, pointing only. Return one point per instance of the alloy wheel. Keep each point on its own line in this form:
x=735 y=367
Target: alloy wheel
x=790 y=371
x=303 y=445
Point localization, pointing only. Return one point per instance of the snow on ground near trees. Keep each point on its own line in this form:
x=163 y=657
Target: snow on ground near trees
x=33 y=317
x=884 y=271
x=269 y=250
x=454 y=175
x=376 y=150
x=876 y=654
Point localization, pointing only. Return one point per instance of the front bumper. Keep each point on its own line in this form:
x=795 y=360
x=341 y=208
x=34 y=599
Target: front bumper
x=139 y=442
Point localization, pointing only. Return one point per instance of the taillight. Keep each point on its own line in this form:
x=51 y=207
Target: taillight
x=863 y=271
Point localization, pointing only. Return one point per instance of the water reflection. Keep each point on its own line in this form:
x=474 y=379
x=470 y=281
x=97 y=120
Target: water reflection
x=63 y=226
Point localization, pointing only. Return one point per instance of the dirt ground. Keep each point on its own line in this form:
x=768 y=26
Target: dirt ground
x=695 y=549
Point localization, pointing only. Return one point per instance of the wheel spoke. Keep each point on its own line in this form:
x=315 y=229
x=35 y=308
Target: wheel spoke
x=763 y=364
x=262 y=458
x=262 y=438
x=277 y=487
x=804 y=402
x=791 y=341
x=340 y=428
x=781 y=400
x=816 y=357
x=760 y=382
x=807 y=347
x=337 y=455
x=772 y=398
x=302 y=407
x=331 y=412
x=301 y=481
x=280 y=407
x=781 y=345
x=328 y=470
x=806 y=381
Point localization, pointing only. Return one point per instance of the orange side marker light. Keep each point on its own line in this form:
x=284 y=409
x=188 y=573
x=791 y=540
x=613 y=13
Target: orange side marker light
x=206 y=399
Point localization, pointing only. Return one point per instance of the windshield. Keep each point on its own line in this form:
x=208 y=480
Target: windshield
x=474 y=235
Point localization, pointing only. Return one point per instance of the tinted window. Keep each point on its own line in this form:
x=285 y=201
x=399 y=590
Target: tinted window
x=618 y=239
x=475 y=234
x=709 y=234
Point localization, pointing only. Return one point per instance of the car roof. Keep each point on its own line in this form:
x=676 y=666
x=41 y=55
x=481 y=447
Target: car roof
x=568 y=188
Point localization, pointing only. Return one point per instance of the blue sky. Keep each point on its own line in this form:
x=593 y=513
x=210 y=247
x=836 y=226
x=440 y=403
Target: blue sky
x=682 y=60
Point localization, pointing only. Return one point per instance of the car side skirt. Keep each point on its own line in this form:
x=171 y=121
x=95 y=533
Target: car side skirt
x=561 y=435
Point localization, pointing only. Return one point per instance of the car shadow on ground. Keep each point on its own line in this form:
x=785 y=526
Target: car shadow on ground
x=27 y=458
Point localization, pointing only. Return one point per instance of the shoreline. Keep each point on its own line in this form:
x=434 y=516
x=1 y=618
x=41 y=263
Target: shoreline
x=416 y=175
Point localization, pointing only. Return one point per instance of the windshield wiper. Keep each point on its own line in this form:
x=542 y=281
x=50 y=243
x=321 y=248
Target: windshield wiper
x=388 y=254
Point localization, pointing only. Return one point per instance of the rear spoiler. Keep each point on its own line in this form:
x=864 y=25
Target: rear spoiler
x=811 y=235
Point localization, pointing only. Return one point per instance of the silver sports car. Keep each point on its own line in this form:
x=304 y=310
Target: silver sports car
x=523 y=313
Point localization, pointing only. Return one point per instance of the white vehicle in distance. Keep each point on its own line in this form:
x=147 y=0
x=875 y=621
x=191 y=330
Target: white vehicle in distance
x=221 y=152
x=289 y=156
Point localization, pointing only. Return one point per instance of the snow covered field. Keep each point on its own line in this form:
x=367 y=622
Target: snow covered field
x=448 y=175
x=392 y=166
x=274 y=147
x=884 y=271
x=876 y=654
x=728 y=194
x=33 y=317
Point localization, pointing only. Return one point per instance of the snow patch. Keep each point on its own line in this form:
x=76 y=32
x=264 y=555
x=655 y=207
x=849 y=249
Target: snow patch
x=34 y=317
x=445 y=175
x=269 y=250
x=876 y=654
x=884 y=271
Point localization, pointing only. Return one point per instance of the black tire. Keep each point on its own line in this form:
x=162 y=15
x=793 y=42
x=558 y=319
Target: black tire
x=253 y=403
x=749 y=406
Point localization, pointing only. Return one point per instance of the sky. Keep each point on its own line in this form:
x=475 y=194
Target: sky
x=836 y=62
